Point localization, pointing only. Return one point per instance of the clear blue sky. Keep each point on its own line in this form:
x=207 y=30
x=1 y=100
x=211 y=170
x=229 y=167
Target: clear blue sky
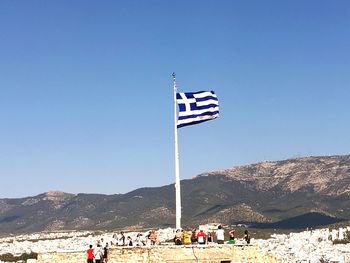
x=86 y=88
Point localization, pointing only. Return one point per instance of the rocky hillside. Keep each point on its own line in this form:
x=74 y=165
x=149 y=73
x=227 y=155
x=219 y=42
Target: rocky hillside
x=267 y=193
x=323 y=175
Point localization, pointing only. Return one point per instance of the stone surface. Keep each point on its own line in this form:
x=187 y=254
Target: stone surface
x=170 y=254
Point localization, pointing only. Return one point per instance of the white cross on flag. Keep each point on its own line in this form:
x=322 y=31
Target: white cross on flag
x=196 y=107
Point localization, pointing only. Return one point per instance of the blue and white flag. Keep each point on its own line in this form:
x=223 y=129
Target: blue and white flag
x=196 y=107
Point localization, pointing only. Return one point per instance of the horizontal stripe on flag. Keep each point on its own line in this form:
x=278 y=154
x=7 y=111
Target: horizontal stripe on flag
x=207 y=102
x=199 y=112
x=196 y=107
x=203 y=116
x=202 y=94
x=196 y=120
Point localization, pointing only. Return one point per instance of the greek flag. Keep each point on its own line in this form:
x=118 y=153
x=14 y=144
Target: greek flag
x=196 y=107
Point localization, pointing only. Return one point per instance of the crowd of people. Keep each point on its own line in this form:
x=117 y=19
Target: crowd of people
x=99 y=254
x=119 y=239
x=194 y=236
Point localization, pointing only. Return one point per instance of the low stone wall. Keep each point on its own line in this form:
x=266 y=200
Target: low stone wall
x=168 y=254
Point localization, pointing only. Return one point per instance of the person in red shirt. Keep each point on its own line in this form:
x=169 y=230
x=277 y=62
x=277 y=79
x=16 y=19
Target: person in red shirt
x=90 y=255
x=201 y=237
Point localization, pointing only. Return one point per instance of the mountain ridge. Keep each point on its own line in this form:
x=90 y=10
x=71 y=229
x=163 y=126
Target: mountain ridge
x=260 y=193
x=281 y=169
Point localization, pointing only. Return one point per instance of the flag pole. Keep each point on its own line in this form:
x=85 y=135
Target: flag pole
x=176 y=155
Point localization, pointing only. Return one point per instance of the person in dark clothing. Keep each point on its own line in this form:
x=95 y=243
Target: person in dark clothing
x=194 y=236
x=178 y=237
x=105 y=253
x=246 y=236
x=129 y=242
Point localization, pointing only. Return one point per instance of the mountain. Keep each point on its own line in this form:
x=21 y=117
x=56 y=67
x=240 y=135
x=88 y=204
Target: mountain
x=262 y=194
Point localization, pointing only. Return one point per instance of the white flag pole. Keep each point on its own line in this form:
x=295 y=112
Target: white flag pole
x=177 y=170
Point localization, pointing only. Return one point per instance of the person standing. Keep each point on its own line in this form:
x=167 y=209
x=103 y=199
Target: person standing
x=153 y=237
x=98 y=254
x=246 y=237
x=220 y=235
x=194 y=236
x=201 y=237
x=129 y=242
x=139 y=240
x=105 y=253
x=187 y=237
x=120 y=239
x=231 y=235
x=178 y=237
x=90 y=255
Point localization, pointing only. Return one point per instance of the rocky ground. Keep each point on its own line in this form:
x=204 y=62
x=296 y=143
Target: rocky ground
x=322 y=245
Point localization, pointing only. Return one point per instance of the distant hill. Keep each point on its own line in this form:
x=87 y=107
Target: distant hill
x=266 y=192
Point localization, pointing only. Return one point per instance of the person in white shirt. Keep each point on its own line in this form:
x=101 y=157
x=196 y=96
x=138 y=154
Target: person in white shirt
x=220 y=235
x=98 y=254
x=120 y=239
